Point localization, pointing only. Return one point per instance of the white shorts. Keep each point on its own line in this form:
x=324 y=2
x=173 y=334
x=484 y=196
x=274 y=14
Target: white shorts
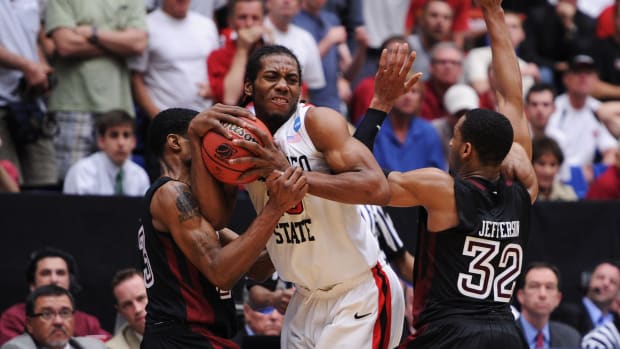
x=365 y=312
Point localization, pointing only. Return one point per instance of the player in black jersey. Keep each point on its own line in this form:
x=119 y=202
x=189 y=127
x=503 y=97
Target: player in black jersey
x=190 y=261
x=474 y=222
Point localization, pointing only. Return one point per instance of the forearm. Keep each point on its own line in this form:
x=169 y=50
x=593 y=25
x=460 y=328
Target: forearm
x=141 y=95
x=324 y=46
x=370 y=125
x=215 y=200
x=11 y=60
x=238 y=256
x=128 y=42
x=70 y=44
x=233 y=82
x=605 y=90
x=359 y=58
x=352 y=187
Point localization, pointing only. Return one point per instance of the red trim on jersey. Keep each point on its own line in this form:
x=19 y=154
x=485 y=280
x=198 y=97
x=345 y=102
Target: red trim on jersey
x=476 y=183
x=383 y=325
x=216 y=342
x=197 y=309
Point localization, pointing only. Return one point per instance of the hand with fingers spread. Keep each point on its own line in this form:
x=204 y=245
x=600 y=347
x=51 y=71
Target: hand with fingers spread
x=267 y=158
x=392 y=79
x=287 y=188
x=212 y=118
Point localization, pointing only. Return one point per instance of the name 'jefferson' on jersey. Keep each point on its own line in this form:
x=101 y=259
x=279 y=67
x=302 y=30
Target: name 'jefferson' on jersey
x=477 y=271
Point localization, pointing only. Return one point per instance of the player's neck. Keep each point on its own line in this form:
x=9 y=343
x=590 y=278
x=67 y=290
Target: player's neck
x=490 y=174
x=174 y=169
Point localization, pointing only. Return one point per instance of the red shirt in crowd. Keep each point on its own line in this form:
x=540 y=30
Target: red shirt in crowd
x=606 y=186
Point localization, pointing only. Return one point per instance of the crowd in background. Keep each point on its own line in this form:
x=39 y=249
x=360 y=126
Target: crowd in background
x=80 y=80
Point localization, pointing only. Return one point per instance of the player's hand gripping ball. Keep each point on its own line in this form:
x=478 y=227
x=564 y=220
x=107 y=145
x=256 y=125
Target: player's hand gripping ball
x=217 y=150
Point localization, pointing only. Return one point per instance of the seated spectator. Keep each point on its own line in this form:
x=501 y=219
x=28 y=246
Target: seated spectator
x=607 y=185
x=539 y=294
x=606 y=52
x=259 y=320
x=458 y=100
x=574 y=124
x=50 y=313
x=49 y=266
x=539 y=106
x=547 y=158
x=445 y=70
x=406 y=141
x=459 y=19
x=110 y=171
x=595 y=308
x=130 y=294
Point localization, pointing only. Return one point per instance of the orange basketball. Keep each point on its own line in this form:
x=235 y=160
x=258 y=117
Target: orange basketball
x=217 y=150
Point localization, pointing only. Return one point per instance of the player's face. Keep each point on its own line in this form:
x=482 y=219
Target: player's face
x=131 y=302
x=540 y=294
x=546 y=167
x=539 y=108
x=118 y=142
x=604 y=284
x=55 y=332
x=247 y=14
x=51 y=271
x=276 y=89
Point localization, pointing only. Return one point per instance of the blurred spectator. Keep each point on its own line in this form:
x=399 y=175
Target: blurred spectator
x=574 y=124
x=539 y=105
x=273 y=292
x=445 y=70
x=605 y=22
x=594 y=309
x=56 y=267
x=110 y=171
x=9 y=177
x=280 y=21
x=539 y=294
x=92 y=40
x=606 y=54
x=130 y=294
x=206 y=8
x=330 y=37
x=547 y=158
x=350 y=14
x=477 y=62
x=607 y=185
x=24 y=77
x=554 y=34
x=460 y=18
x=172 y=71
x=362 y=95
x=435 y=26
x=50 y=312
x=592 y=8
x=458 y=100
x=384 y=19
x=406 y=141
x=259 y=320
x=226 y=65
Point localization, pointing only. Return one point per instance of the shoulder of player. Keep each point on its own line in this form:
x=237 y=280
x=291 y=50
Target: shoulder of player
x=323 y=119
x=167 y=197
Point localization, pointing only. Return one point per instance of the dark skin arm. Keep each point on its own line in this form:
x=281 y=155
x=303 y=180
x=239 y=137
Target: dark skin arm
x=175 y=209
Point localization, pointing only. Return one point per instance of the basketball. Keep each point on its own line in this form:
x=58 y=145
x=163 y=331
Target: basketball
x=217 y=150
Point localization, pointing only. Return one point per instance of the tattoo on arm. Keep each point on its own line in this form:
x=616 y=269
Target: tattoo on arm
x=186 y=204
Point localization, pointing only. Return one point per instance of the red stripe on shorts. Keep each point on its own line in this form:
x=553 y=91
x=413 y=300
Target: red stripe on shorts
x=383 y=324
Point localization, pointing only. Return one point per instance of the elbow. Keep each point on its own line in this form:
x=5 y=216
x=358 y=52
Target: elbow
x=138 y=47
x=224 y=282
x=64 y=50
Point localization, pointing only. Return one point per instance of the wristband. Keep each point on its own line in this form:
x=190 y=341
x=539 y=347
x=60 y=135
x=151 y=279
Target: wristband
x=370 y=126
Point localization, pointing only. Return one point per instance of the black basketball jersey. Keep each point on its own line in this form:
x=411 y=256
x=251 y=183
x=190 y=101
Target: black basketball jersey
x=176 y=289
x=470 y=270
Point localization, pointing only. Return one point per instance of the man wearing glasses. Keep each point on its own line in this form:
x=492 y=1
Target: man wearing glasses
x=50 y=321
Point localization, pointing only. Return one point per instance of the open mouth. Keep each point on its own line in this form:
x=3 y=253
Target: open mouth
x=279 y=100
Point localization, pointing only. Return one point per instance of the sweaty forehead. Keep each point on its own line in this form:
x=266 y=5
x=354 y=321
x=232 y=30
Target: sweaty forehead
x=279 y=62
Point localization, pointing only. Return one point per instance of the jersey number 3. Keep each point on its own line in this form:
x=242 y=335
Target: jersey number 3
x=481 y=279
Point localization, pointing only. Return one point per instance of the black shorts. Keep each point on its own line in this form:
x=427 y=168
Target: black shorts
x=173 y=335
x=467 y=333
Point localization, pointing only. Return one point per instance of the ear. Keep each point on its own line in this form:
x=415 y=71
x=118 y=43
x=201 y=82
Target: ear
x=28 y=325
x=248 y=88
x=557 y=300
x=100 y=141
x=173 y=142
x=466 y=150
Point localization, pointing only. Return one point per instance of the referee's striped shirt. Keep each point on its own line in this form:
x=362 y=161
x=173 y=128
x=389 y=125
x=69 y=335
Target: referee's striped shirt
x=605 y=336
x=383 y=229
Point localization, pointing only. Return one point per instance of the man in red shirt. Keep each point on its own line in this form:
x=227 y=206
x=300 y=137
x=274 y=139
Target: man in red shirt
x=226 y=66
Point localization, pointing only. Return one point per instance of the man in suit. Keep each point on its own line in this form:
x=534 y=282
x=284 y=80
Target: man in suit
x=49 y=322
x=130 y=293
x=595 y=308
x=539 y=294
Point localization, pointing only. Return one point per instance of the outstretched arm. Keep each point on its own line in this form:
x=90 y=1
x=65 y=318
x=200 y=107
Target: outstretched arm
x=507 y=74
x=510 y=96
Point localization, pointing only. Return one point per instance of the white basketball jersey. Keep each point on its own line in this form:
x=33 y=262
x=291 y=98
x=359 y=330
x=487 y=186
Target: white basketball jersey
x=319 y=242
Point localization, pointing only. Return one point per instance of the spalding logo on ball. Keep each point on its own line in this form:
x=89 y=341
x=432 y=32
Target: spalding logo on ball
x=217 y=150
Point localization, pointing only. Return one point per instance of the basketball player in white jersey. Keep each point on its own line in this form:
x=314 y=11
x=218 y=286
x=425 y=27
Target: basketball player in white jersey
x=346 y=296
